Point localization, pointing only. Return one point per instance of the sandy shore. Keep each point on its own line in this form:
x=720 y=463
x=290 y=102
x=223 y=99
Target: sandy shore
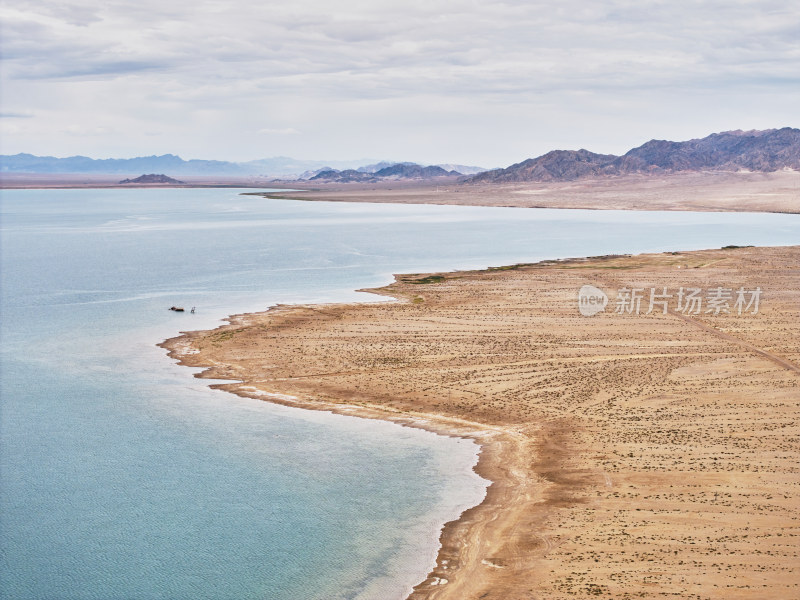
x=631 y=456
x=712 y=191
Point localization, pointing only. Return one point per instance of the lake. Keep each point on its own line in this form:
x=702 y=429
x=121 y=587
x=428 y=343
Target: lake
x=122 y=476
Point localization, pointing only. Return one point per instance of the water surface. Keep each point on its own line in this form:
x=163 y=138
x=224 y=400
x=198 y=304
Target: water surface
x=124 y=477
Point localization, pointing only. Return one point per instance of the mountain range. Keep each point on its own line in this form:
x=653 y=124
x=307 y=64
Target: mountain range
x=276 y=167
x=764 y=151
x=279 y=166
x=767 y=150
x=397 y=171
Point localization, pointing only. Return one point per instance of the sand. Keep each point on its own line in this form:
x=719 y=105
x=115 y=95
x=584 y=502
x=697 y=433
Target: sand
x=645 y=456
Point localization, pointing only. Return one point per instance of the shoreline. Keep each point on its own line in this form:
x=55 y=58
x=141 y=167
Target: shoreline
x=492 y=445
x=713 y=191
x=539 y=469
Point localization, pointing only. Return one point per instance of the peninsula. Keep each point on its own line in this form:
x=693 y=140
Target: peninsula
x=632 y=454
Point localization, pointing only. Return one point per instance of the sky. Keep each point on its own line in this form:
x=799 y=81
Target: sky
x=432 y=81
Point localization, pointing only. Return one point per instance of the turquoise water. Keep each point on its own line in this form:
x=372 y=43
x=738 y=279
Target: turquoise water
x=121 y=476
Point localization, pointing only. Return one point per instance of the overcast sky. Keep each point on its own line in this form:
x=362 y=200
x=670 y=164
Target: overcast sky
x=457 y=81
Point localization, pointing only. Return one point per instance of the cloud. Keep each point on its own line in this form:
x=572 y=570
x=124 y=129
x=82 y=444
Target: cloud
x=286 y=131
x=569 y=42
x=348 y=68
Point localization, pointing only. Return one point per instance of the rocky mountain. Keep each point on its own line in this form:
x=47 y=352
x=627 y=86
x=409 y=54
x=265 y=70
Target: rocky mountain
x=153 y=178
x=767 y=150
x=557 y=165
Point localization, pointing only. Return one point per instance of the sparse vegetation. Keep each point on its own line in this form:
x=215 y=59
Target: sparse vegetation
x=510 y=267
x=651 y=455
x=223 y=336
x=426 y=280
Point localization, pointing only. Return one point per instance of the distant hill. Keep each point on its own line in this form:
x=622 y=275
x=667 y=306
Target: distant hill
x=282 y=167
x=28 y=163
x=381 y=165
x=392 y=171
x=460 y=169
x=463 y=169
x=346 y=176
x=152 y=178
x=768 y=150
x=412 y=171
x=293 y=168
x=279 y=166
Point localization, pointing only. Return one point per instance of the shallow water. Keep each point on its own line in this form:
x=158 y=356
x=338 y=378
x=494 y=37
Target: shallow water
x=124 y=477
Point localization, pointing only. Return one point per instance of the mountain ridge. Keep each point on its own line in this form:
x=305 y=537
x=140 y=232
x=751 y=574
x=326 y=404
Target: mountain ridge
x=755 y=150
x=275 y=167
x=395 y=171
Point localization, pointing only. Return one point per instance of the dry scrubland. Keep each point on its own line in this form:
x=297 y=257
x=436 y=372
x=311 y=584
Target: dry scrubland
x=632 y=457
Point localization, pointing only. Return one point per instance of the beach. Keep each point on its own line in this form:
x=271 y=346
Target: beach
x=631 y=455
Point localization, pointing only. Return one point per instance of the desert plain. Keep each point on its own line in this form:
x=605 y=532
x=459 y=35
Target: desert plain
x=649 y=455
x=742 y=191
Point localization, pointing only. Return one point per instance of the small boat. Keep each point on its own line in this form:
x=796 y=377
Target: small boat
x=176 y=308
